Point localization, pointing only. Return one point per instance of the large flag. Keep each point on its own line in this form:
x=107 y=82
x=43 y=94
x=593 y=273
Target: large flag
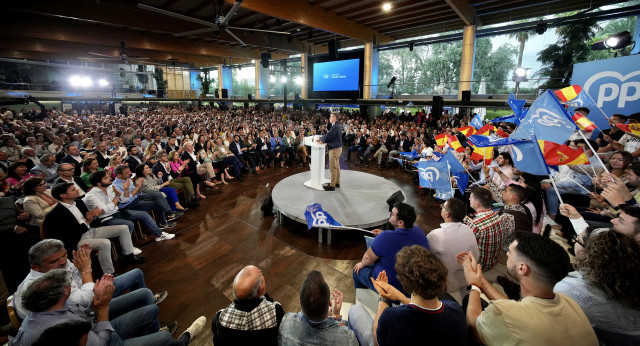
x=467 y=130
x=507 y=118
x=462 y=181
x=441 y=140
x=595 y=113
x=492 y=141
x=476 y=121
x=485 y=130
x=411 y=154
x=561 y=154
x=568 y=93
x=527 y=157
x=316 y=217
x=516 y=105
x=435 y=175
x=480 y=154
x=454 y=165
x=633 y=128
x=546 y=120
x=454 y=144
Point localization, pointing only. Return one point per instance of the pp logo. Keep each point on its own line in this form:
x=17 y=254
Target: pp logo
x=611 y=91
x=547 y=118
x=319 y=218
x=326 y=76
x=428 y=175
x=517 y=153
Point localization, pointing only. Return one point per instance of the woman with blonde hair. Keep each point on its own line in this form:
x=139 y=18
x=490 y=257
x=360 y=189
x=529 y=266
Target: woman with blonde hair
x=113 y=162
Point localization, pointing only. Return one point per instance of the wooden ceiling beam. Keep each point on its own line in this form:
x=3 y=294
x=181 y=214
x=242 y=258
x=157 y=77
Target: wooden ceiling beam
x=303 y=12
x=465 y=10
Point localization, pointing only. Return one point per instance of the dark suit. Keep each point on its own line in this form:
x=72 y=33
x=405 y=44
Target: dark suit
x=103 y=160
x=406 y=145
x=158 y=167
x=77 y=165
x=77 y=180
x=243 y=156
x=72 y=231
x=132 y=163
x=13 y=247
x=263 y=153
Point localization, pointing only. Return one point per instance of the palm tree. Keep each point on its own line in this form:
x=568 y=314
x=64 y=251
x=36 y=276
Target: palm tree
x=522 y=37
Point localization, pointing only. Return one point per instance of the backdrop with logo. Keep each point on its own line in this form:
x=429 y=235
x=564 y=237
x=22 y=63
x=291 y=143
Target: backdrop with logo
x=614 y=84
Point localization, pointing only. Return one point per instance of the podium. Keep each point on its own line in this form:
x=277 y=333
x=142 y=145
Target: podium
x=317 y=163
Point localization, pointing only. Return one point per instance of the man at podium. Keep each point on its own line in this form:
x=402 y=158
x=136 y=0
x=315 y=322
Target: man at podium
x=333 y=138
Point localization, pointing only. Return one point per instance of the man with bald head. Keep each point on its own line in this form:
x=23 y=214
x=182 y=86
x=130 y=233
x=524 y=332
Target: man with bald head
x=253 y=317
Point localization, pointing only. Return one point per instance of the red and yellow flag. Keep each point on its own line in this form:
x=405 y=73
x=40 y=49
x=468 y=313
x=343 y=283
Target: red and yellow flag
x=441 y=140
x=568 y=93
x=502 y=133
x=467 y=130
x=560 y=154
x=583 y=123
x=484 y=131
x=485 y=154
x=633 y=128
x=454 y=143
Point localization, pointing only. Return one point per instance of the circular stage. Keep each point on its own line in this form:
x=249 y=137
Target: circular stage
x=360 y=201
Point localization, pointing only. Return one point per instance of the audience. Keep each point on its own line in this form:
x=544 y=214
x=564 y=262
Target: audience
x=487 y=227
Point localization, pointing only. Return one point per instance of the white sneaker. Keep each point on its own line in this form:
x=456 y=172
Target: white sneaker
x=165 y=236
x=136 y=251
x=195 y=328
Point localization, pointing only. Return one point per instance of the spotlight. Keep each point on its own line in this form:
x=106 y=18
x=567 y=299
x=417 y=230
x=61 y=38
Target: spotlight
x=411 y=47
x=520 y=74
x=74 y=81
x=103 y=82
x=392 y=82
x=272 y=79
x=283 y=79
x=86 y=82
x=386 y=6
x=614 y=42
x=541 y=28
x=298 y=80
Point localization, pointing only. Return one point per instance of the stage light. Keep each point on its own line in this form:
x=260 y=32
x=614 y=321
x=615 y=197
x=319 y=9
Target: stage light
x=614 y=42
x=411 y=47
x=103 y=82
x=86 y=82
x=74 y=81
x=541 y=28
x=272 y=79
x=386 y=6
x=283 y=79
x=80 y=81
x=520 y=74
x=298 y=80
x=392 y=82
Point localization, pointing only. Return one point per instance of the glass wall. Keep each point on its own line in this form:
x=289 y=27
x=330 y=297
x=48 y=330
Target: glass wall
x=243 y=80
x=285 y=73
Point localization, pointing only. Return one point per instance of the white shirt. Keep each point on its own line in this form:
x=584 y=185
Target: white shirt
x=446 y=242
x=98 y=199
x=75 y=211
x=80 y=190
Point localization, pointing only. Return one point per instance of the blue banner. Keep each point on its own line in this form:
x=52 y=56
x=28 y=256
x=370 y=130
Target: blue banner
x=596 y=115
x=614 y=84
x=462 y=181
x=515 y=104
x=454 y=165
x=477 y=122
x=507 y=118
x=316 y=217
x=528 y=157
x=435 y=175
x=546 y=120
x=492 y=141
x=413 y=154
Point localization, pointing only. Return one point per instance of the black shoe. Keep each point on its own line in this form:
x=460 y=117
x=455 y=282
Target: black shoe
x=171 y=327
x=329 y=188
x=253 y=171
x=338 y=185
x=133 y=259
x=174 y=215
x=169 y=224
x=193 y=204
x=240 y=178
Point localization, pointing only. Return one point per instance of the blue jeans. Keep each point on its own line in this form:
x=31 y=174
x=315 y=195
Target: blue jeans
x=362 y=279
x=134 y=316
x=360 y=322
x=136 y=215
x=552 y=198
x=237 y=165
x=151 y=201
x=131 y=280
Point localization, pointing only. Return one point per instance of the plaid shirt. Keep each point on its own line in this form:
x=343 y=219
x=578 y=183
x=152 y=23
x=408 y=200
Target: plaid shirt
x=487 y=228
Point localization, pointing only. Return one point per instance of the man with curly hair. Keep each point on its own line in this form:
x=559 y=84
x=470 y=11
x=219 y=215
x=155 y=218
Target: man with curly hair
x=423 y=318
x=605 y=285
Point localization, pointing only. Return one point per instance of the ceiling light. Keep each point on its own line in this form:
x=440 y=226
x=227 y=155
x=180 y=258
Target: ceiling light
x=103 y=82
x=615 y=42
x=272 y=79
x=520 y=72
x=386 y=6
x=298 y=80
x=283 y=79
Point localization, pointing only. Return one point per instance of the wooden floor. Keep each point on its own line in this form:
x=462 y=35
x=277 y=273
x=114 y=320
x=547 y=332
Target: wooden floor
x=229 y=231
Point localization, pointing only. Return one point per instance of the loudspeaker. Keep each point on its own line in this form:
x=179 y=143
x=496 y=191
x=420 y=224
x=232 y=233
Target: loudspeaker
x=436 y=108
x=334 y=45
x=466 y=95
x=224 y=94
x=250 y=96
x=397 y=197
x=264 y=59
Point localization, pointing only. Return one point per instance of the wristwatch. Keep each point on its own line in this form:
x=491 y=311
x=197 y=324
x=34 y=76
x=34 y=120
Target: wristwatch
x=386 y=300
x=473 y=287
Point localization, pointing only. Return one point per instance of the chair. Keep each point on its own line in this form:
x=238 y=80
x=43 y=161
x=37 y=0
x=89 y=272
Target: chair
x=13 y=316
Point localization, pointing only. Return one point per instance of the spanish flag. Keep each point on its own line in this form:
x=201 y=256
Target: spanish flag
x=502 y=133
x=485 y=130
x=568 y=93
x=467 y=130
x=583 y=123
x=485 y=154
x=441 y=140
x=454 y=143
x=560 y=154
x=633 y=128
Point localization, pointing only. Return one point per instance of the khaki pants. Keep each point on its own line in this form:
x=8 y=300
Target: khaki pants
x=206 y=168
x=334 y=165
x=183 y=184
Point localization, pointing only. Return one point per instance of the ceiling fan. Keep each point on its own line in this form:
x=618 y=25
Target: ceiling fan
x=123 y=57
x=221 y=21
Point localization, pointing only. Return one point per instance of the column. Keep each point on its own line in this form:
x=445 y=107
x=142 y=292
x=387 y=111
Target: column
x=304 y=88
x=468 y=56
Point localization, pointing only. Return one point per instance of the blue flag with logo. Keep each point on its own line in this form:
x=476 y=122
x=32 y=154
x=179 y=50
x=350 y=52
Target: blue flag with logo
x=477 y=122
x=507 y=118
x=454 y=165
x=316 y=217
x=413 y=154
x=596 y=115
x=547 y=120
x=462 y=180
x=516 y=105
x=492 y=141
x=528 y=157
x=435 y=175
x=438 y=155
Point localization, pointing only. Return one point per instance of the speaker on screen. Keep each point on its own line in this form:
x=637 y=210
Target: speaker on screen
x=466 y=95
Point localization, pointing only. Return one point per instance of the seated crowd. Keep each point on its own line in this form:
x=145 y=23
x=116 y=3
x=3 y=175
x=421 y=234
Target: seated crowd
x=99 y=173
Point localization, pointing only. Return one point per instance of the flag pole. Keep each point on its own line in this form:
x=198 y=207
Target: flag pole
x=594 y=102
x=584 y=188
x=556 y=188
x=594 y=154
